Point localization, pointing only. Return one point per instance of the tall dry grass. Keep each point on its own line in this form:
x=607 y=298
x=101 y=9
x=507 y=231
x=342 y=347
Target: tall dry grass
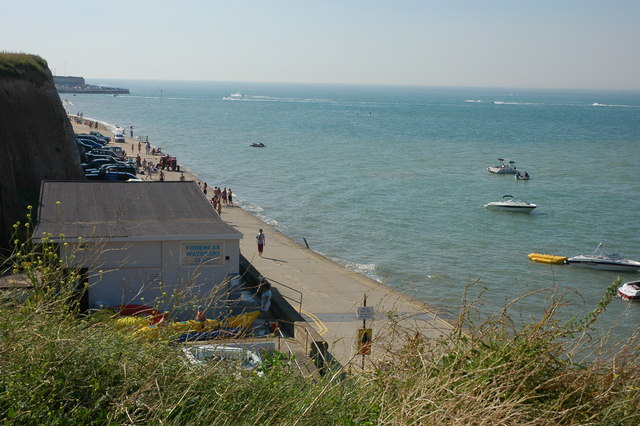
x=58 y=367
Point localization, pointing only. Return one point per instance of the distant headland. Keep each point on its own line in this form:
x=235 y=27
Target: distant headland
x=70 y=84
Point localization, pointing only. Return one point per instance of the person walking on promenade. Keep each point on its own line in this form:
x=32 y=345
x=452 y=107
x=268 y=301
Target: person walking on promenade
x=147 y=147
x=139 y=147
x=261 y=239
x=161 y=176
x=181 y=176
x=230 y=197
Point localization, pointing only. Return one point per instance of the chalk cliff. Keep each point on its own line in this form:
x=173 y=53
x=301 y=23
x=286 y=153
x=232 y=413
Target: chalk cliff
x=36 y=138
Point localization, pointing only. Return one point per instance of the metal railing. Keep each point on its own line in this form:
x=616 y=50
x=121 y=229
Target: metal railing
x=298 y=302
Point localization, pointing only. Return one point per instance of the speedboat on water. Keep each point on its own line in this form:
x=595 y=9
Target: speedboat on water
x=602 y=259
x=258 y=145
x=630 y=291
x=504 y=167
x=509 y=204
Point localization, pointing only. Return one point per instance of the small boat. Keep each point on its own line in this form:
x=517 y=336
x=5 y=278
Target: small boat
x=258 y=145
x=504 y=167
x=245 y=359
x=630 y=291
x=547 y=258
x=508 y=204
x=604 y=260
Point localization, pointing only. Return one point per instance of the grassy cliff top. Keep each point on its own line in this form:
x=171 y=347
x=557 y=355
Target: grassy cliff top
x=18 y=64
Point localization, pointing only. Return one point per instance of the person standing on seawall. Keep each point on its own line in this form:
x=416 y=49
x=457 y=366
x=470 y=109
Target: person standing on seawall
x=265 y=299
x=261 y=239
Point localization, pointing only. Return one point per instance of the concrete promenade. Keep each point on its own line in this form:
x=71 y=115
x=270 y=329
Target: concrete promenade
x=330 y=293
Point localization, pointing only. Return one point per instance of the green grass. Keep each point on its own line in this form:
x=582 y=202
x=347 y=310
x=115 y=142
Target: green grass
x=18 y=64
x=60 y=368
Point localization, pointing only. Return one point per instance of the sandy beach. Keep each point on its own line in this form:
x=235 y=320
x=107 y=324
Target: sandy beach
x=328 y=293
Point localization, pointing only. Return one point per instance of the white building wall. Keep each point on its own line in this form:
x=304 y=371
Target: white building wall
x=167 y=274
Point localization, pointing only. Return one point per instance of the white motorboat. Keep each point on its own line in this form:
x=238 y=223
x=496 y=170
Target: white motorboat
x=630 y=291
x=602 y=259
x=505 y=167
x=509 y=204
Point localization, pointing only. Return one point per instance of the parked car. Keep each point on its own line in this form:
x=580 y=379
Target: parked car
x=116 y=176
x=94 y=138
x=111 y=176
x=100 y=135
x=101 y=164
x=115 y=149
x=118 y=137
x=118 y=167
x=107 y=152
x=93 y=157
x=91 y=143
x=95 y=164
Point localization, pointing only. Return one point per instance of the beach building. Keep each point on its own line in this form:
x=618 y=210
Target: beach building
x=145 y=243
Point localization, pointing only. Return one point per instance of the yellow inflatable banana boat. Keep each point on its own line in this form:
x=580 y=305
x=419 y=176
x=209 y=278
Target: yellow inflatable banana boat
x=547 y=258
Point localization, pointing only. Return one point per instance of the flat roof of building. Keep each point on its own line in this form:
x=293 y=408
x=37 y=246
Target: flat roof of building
x=128 y=211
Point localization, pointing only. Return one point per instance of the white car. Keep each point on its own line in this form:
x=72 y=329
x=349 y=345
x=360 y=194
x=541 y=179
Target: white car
x=118 y=137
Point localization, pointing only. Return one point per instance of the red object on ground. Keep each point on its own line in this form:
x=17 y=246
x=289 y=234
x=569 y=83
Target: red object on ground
x=127 y=310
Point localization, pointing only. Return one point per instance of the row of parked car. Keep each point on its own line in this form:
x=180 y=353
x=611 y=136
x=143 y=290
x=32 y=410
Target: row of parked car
x=101 y=162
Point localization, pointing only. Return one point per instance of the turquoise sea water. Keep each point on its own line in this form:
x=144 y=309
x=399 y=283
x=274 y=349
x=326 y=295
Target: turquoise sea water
x=391 y=181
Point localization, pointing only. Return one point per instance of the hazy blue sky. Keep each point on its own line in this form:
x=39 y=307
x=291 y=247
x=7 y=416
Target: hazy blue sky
x=497 y=43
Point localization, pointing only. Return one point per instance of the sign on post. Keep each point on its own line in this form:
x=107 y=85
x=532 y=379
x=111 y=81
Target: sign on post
x=365 y=312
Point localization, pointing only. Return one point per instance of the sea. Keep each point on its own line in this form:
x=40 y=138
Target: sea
x=391 y=181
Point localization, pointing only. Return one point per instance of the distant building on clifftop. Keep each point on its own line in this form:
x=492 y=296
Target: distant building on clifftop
x=68 y=84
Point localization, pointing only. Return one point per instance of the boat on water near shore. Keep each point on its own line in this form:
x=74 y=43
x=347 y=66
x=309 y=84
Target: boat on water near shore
x=630 y=291
x=604 y=260
x=505 y=167
x=509 y=204
x=547 y=258
x=258 y=145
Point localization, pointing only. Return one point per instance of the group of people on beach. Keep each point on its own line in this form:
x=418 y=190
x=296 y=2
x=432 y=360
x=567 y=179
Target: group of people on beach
x=220 y=196
x=79 y=119
x=147 y=168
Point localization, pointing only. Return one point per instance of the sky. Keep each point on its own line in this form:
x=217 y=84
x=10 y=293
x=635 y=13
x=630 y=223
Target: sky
x=570 y=44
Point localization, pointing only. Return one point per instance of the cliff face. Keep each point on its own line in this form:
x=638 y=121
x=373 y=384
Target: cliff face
x=36 y=138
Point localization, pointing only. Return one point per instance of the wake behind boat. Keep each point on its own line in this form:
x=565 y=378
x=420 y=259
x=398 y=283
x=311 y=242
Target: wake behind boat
x=505 y=167
x=604 y=260
x=509 y=204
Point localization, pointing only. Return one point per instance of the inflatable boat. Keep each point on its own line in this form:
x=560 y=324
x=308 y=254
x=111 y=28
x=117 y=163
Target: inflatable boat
x=199 y=330
x=547 y=258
